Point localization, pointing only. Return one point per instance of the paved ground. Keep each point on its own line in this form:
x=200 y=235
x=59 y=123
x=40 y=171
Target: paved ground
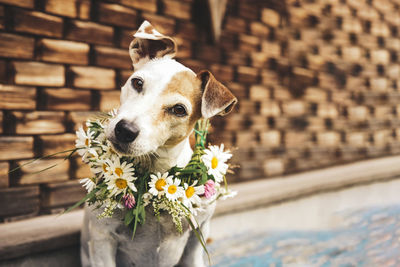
x=353 y=227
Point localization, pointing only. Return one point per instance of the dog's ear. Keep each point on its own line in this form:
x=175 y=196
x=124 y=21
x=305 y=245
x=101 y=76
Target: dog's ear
x=216 y=99
x=149 y=44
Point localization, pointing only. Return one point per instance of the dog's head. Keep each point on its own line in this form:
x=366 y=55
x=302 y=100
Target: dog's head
x=162 y=99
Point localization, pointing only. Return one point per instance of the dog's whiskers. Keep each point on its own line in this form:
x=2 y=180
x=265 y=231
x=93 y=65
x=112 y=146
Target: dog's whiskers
x=147 y=160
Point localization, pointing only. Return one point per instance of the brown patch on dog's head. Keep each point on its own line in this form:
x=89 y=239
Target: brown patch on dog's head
x=207 y=96
x=217 y=99
x=149 y=29
x=187 y=85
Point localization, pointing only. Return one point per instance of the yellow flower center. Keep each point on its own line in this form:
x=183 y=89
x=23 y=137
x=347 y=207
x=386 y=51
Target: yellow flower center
x=118 y=172
x=160 y=184
x=121 y=183
x=189 y=192
x=172 y=189
x=105 y=167
x=214 y=163
x=87 y=142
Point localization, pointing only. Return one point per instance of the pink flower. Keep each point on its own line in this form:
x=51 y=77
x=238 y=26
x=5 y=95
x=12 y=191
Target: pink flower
x=209 y=189
x=129 y=201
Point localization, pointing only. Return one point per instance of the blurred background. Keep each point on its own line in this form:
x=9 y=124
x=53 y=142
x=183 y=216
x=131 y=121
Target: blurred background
x=317 y=81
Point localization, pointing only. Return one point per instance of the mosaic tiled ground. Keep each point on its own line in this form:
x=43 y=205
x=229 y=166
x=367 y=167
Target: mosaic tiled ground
x=368 y=237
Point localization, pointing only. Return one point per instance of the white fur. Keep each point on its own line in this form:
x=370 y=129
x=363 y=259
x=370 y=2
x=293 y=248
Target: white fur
x=143 y=108
x=178 y=155
x=154 y=35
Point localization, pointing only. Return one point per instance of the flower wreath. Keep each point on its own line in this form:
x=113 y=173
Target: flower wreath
x=119 y=182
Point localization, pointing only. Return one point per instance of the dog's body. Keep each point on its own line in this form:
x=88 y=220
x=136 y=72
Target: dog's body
x=160 y=104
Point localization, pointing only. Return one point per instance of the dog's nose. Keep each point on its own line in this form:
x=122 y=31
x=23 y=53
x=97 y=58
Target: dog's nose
x=126 y=132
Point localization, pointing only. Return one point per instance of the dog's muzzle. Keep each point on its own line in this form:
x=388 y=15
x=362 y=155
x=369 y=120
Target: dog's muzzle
x=126 y=132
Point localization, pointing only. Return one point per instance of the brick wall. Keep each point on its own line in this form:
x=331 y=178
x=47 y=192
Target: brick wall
x=318 y=83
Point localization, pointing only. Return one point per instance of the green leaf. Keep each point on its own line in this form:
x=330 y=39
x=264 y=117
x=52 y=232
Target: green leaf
x=190 y=171
x=129 y=217
x=203 y=167
x=139 y=206
x=143 y=215
x=204 y=178
x=136 y=220
x=138 y=212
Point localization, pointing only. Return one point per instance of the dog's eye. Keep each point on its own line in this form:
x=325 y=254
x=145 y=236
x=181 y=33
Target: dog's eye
x=178 y=110
x=137 y=84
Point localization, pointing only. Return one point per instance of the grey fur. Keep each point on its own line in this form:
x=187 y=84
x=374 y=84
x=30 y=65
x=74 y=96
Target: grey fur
x=107 y=242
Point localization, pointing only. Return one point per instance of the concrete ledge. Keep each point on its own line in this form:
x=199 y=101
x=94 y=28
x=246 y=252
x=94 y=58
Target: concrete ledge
x=265 y=192
x=44 y=233
x=49 y=233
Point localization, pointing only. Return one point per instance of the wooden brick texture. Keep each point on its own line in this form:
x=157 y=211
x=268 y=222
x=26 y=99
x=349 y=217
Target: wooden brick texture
x=90 y=32
x=37 y=73
x=317 y=83
x=112 y=57
x=73 y=8
x=16 y=46
x=52 y=144
x=63 y=51
x=35 y=22
x=27 y=201
x=57 y=170
x=4 y=169
x=20 y=3
x=16 y=147
x=118 y=15
x=17 y=97
x=92 y=77
x=144 y=5
x=66 y=99
x=39 y=122
x=63 y=194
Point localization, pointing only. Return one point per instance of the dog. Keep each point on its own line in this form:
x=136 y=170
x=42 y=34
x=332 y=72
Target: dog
x=160 y=104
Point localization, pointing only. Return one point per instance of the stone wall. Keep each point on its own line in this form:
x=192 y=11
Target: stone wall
x=317 y=81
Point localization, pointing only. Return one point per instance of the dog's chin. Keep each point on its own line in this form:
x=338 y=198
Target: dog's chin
x=123 y=150
x=126 y=150
x=146 y=160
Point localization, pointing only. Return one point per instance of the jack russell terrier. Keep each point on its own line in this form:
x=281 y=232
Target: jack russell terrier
x=160 y=103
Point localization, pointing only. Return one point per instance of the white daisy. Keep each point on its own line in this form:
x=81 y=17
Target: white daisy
x=119 y=170
x=120 y=185
x=172 y=189
x=84 y=143
x=225 y=193
x=99 y=142
x=157 y=183
x=108 y=151
x=192 y=194
x=120 y=176
x=88 y=183
x=214 y=159
x=84 y=139
x=100 y=167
